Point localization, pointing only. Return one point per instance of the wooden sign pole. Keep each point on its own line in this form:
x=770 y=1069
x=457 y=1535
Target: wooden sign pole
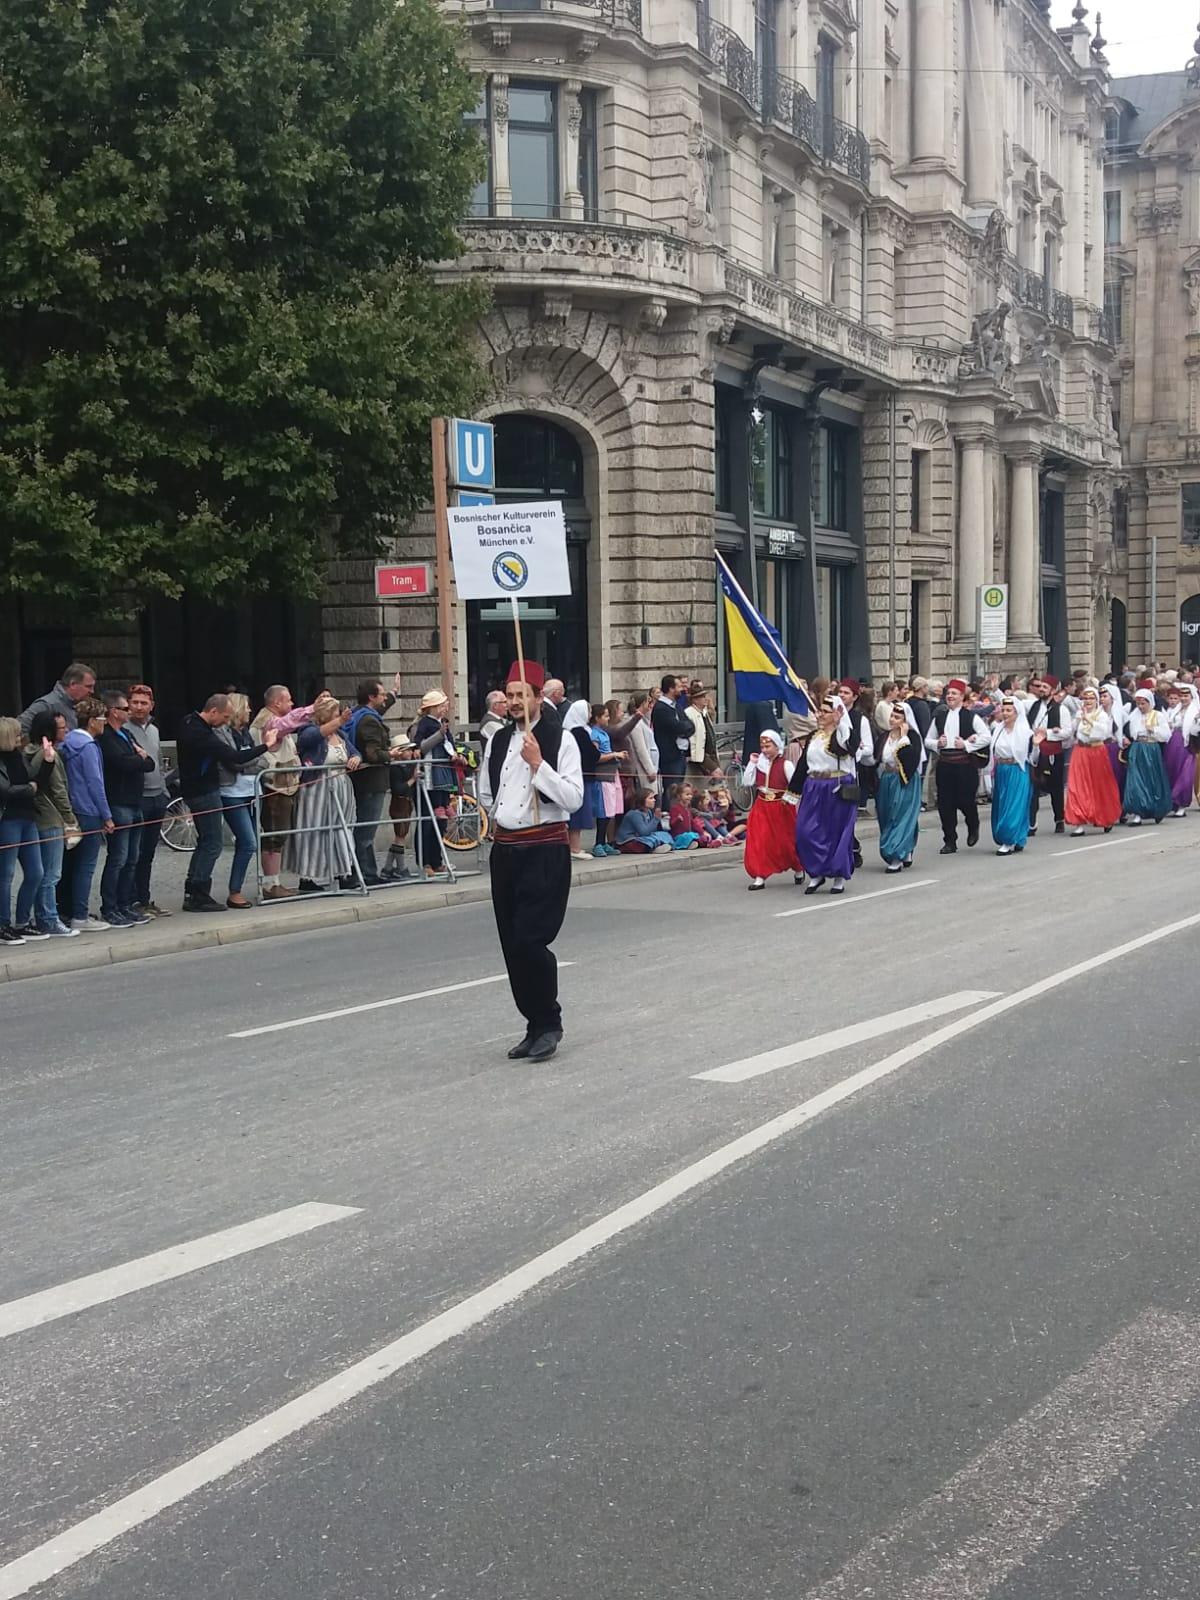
x=516 y=616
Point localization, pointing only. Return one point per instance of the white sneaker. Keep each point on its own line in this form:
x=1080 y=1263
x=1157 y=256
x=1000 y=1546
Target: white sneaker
x=89 y=925
x=1004 y=850
x=1135 y=822
x=580 y=855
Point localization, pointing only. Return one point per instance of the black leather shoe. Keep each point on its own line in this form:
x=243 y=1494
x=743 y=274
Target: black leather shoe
x=1060 y=827
x=201 y=902
x=948 y=850
x=520 y=1051
x=543 y=1047
x=814 y=885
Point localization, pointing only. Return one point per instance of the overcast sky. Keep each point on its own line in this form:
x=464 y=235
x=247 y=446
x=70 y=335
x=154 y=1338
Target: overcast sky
x=1143 y=35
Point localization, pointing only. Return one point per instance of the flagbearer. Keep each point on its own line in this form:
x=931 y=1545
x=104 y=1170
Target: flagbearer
x=761 y=670
x=530 y=784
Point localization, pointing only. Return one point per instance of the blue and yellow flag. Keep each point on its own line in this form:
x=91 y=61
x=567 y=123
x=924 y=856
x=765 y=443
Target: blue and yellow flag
x=761 y=671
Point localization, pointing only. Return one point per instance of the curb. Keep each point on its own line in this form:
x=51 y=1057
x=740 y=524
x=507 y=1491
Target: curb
x=59 y=957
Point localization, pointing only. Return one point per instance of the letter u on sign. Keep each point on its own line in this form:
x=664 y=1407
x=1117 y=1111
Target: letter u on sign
x=472 y=456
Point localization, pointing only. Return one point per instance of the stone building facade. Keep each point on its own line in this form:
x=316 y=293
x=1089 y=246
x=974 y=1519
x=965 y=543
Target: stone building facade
x=816 y=282
x=819 y=284
x=1152 y=237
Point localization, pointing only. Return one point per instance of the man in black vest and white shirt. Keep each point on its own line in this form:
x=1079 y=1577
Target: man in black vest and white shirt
x=1048 y=710
x=530 y=784
x=956 y=734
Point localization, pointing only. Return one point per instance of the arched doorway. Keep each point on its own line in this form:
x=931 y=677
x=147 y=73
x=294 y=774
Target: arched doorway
x=1118 y=636
x=536 y=459
x=1189 y=630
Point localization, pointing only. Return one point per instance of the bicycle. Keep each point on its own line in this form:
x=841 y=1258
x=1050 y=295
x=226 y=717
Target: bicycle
x=177 y=829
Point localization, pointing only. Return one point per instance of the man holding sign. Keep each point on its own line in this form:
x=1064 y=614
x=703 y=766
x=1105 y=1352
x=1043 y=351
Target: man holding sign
x=532 y=778
x=531 y=782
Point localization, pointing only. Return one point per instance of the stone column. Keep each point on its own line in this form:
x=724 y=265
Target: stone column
x=501 y=179
x=928 y=82
x=972 y=555
x=1023 y=552
x=986 y=87
x=1074 y=267
x=572 y=118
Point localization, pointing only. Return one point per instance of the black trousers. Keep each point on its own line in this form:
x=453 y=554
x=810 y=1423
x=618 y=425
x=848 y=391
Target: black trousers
x=1051 y=779
x=530 y=886
x=957 y=786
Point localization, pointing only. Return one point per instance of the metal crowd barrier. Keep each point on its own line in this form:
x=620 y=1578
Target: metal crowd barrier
x=421 y=823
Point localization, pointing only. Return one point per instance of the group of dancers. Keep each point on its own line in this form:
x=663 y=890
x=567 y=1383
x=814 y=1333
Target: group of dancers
x=1100 y=760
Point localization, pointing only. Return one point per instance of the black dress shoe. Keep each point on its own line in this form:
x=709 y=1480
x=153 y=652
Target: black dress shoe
x=972 y=838
x=520 y=1051
x=1060 y=827
x=948 y=850
x=543 y=1047
x=814 y=885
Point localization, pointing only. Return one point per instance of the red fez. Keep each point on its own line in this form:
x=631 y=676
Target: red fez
x=958 y=683
x=1049 y=680
x=852 y=684
x=535 y=676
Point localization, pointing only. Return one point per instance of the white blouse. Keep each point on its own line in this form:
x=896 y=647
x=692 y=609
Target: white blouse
x=890 y=756
x=1094 y=727
x=1147 y=725
x=762 y=764
x=821 y=758
x=1013 y=744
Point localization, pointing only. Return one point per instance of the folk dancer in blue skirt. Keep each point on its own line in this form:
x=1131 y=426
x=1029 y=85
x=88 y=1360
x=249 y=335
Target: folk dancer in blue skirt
x=1147 y=792
x=1014 y=749
x=900 y=756
x=826 y=783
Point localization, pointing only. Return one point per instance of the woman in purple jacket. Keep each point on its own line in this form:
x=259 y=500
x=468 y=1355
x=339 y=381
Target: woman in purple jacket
x=85 y=785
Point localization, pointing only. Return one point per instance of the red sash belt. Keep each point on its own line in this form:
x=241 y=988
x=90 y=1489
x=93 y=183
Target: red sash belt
x=548 y=833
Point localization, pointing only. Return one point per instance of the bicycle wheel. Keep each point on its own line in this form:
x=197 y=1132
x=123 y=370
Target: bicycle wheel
x=466 y=823
x=177 y=829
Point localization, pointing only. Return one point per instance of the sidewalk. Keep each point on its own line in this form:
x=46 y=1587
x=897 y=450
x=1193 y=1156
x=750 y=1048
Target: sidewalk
x=200 y=932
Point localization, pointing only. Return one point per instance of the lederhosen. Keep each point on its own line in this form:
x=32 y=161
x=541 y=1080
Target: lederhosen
x=531 y=881
x=956 y=777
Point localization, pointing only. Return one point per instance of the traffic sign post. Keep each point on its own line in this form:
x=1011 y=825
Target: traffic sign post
x=464 y=460
x=991 y=621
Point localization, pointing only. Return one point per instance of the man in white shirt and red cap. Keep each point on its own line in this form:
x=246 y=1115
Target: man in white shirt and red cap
x=1049 y=710
x=530 y=783
x=956 y=735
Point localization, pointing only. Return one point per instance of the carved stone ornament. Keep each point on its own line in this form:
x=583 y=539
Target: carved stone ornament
x=1191 y=284
x=500 y=102
x=987 y=353
x=994 y=245
x=1157 y=216
x=718 y=329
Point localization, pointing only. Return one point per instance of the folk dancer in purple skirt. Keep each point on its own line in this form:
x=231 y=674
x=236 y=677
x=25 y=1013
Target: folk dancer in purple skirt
x=824 y=788
x=1180 y=761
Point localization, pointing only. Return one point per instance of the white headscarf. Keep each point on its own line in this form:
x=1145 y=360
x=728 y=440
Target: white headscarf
x=577 y=715
x=1117 y=710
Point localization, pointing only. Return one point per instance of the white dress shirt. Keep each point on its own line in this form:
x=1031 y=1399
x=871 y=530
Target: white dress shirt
x=1013 y=744
x=1151 y=725
x=960 y=724
x=1095 y=727
x=559 y=792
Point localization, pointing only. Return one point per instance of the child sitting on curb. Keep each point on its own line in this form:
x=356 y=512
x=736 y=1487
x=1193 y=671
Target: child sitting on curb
x=641 y=829
x=686 y=821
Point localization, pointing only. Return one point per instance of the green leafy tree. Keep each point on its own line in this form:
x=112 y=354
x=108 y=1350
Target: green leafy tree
x=221 y=341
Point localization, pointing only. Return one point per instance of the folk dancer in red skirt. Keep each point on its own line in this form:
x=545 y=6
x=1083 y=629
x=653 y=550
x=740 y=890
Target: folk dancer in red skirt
x=1093 y=798
x=771 y=827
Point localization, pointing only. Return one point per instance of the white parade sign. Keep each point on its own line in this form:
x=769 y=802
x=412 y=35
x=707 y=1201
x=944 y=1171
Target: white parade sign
x=509 y=550
x=992 y=614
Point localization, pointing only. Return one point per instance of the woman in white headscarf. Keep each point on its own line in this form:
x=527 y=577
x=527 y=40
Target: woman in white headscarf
x=899 y=757
x=1014 y=750
x=826 y=781
x=1147 y=792
x=1112 y=703
x=1092 y=794
x=771 y=825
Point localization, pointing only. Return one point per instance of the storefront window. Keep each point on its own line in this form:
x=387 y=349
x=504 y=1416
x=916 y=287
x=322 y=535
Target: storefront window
x=771 y=463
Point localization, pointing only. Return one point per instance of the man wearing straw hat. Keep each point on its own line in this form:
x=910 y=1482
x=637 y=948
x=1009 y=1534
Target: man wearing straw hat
x=530 y=784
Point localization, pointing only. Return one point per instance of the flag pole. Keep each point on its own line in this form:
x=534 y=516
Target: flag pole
x=516 y=617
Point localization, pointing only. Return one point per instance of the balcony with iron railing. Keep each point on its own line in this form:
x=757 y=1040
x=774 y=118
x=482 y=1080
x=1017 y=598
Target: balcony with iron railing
x=615 y=14
x=781 y=101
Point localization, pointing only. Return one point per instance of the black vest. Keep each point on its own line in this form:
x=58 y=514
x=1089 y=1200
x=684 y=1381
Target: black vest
x=548 y=735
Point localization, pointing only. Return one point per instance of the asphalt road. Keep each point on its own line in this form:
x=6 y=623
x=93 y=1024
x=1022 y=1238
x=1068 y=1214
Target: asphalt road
x=902 y=1311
